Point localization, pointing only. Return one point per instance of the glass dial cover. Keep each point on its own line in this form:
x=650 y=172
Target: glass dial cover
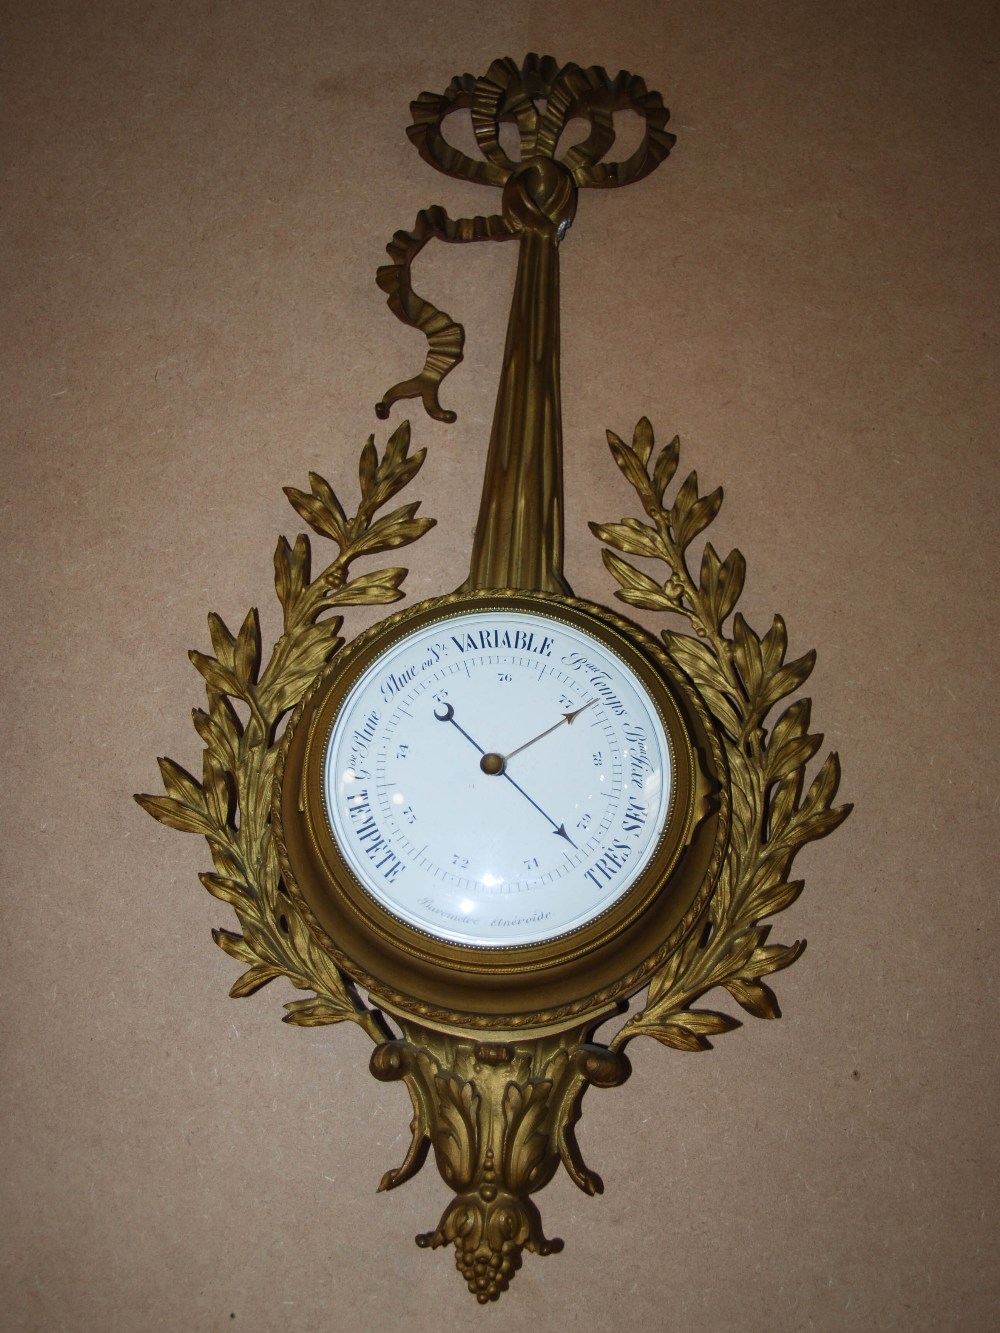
x=497 y=778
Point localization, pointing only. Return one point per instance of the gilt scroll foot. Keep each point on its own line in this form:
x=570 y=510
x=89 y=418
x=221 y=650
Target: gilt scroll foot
x=499 y=1117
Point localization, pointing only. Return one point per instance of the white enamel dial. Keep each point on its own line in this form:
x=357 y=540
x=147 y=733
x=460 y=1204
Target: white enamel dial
x=497 y=778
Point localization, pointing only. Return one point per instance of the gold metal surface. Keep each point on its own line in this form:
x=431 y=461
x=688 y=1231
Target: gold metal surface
x=530 y=986
x=499 y=1117
x=519 y=536
x=496 y=1048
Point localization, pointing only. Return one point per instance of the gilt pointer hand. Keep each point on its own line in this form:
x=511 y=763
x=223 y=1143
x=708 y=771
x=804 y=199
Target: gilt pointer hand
x=567 y=719
x=447 y=714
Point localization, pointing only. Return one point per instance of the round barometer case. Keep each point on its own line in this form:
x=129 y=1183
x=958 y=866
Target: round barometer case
x=494 y=805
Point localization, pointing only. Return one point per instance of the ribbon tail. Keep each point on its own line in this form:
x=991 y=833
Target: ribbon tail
x=445 y=336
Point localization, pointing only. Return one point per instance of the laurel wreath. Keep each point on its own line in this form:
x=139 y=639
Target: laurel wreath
x=231 y=806
x=740 y=678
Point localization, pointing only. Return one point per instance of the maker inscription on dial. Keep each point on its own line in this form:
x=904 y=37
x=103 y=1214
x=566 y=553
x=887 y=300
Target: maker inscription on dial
x=498 y=778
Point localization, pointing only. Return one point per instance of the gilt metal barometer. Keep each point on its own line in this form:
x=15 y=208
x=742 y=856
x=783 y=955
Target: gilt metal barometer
x=483 y=825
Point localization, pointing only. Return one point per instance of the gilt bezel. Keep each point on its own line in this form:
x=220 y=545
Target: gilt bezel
x=518 y=986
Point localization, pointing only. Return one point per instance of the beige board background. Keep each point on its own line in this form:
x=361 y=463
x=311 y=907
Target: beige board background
x=196 y=198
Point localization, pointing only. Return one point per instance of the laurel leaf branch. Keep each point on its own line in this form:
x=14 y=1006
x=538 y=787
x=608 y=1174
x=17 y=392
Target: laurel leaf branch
x=231 y=805
x=741 y=676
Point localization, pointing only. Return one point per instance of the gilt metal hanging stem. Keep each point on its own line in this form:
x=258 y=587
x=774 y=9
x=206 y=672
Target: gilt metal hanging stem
x=519 y=536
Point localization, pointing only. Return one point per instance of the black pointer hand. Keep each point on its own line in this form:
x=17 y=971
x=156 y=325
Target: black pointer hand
x=448 y=715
